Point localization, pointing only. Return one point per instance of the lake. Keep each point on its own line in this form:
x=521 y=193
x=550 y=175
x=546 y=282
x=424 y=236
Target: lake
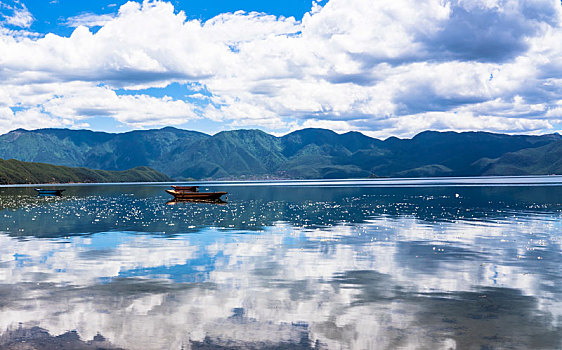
x=469 y=263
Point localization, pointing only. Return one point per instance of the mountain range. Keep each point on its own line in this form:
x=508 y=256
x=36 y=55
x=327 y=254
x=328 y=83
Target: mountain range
x=307 y=153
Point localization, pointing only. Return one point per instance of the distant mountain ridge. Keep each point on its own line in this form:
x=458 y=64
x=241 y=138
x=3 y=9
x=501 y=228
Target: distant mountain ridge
x=307 y=153
x=14 y=171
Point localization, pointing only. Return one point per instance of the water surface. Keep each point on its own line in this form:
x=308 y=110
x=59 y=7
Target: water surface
x=384 y=264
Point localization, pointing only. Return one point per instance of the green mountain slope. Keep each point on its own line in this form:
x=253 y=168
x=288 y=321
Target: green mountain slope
x=17 y=172
x=320 y=153
x=96 y=150
x=541 y=160
x=227 y=154
x=308 y=153
x=452 y=152
x=139 y=148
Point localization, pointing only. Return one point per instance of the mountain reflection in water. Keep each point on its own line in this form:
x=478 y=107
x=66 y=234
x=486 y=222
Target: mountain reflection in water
x=283 y=267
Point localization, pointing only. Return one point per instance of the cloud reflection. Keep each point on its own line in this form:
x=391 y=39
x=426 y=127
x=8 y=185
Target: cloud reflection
x=385 y=283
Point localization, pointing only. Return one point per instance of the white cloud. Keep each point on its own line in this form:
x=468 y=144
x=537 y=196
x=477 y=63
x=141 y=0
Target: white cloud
x=69 y=104
x=408 y=125
x=16 y=14
x=359 y=64
x=89 y=20
x=137 y=110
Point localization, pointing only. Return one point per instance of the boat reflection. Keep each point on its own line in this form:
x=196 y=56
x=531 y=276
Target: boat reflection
x=179 y=201
x=41 y=192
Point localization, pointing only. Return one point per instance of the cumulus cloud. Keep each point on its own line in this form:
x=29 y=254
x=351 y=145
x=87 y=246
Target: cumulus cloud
x=353 y=65
x=138 y=110
x=71 y=104
x=491 y=31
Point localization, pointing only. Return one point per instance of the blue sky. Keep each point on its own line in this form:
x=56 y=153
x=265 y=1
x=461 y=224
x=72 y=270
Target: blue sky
x=50 y=16
x=385 y=69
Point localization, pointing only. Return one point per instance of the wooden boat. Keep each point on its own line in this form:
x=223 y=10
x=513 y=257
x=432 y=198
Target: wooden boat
x=49 y=192
x=186 y=188
x=192 y=192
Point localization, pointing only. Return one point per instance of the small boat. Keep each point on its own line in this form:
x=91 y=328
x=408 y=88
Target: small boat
x=186 y=188
x=49 y=192
x=192 y=192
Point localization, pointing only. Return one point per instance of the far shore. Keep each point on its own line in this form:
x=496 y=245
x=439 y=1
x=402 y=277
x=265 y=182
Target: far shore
x=378 y=182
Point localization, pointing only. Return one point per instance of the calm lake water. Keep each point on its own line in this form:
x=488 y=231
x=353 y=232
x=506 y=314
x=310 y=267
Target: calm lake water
x=380 y=264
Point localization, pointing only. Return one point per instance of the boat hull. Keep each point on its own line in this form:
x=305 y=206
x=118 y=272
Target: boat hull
x=196 y=195
x=186 y=188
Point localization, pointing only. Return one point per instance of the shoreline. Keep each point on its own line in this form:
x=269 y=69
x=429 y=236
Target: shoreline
x=519 y=180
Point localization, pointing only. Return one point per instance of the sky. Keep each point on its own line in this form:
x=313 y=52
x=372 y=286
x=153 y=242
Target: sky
x=384 y=68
